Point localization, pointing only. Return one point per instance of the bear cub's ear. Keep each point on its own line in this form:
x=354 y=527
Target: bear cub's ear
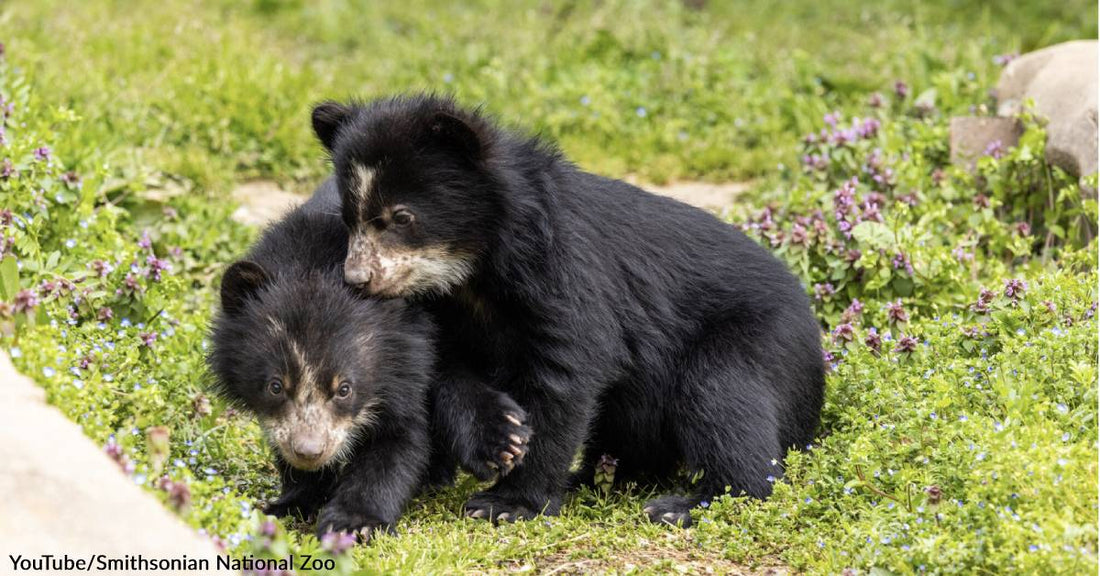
x=241 y=281
x=456 y=134
x=328 y=117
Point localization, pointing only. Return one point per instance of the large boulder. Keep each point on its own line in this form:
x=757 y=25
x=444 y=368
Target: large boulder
x=1062 y=80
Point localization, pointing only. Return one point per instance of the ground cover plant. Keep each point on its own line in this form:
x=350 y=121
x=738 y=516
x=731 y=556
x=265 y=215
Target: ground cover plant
x=958 y=307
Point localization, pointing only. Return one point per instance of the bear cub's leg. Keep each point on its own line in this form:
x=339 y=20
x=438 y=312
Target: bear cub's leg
x=484 y=430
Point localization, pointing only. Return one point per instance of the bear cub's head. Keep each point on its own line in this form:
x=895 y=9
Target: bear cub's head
x=315 y=363
x=416 y=188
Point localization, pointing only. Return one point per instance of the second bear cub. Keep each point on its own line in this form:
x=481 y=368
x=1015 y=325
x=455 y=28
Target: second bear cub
x=340 y=383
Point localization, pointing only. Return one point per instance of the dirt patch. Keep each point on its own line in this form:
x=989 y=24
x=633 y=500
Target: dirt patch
x=263 y=201
x=702 y=194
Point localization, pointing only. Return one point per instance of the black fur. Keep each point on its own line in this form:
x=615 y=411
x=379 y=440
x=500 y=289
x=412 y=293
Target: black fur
x=292 y=275
x=624 y=322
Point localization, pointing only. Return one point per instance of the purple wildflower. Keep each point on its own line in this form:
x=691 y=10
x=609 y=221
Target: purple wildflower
x=607 y=464
x=6 y=217
x=1015 y=288
x=25 y=301
x=47 y=287
x=131 y=283
x=910 y=199
x=901 y=89
x=148 y=339
x=179 y=495
x=7 y=169
x=901 y=261
x=832 y=118
x=843 y=333
x=875 y=100
x=868 y=128
x=268 y=528
x=42 y=154
x=981 y=201
x=71 y=179
x=962 y=255
x=938 y=176
x=853 y=312
x=828 y=356
x=896 y=313
x=337 y=543
x=906 y=345
x=823 y=291
x=104 y=314
x=145 y=242
x=1004 y=59
x=1050 y=306
x=156 y=266
x=1022 y=228
x=995 y=149
x=873 y=339
x=935 y=494
x=799 y=235
x=102 y=269
x=985 y=298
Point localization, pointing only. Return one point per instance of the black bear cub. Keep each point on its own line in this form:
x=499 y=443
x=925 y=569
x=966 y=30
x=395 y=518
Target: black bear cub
x=625 y=323
x=340 y=383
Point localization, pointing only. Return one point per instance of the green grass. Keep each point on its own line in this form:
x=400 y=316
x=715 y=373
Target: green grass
x=973 y=452
x=217 y=91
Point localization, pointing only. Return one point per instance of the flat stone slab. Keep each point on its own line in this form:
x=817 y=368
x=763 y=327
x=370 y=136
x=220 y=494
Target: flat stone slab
x=972 y=137
x=1062 y=81
x=63 y=495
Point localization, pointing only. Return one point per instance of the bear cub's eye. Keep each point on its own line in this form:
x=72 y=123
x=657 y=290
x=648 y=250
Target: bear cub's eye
x=275 y=387
x=344 y=390
x=402 y=217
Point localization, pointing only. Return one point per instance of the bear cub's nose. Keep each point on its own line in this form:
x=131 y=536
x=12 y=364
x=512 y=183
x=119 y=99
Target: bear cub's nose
x=357 y=276
x=308 y=447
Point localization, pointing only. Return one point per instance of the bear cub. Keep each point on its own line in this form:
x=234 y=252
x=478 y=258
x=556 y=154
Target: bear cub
x=625 y=324
x=342 y=385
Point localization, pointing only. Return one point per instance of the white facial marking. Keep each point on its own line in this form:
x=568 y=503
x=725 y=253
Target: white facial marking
x=364 y=177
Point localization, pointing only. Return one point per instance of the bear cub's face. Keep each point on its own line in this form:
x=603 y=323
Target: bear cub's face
x=412 y=191
x=301 y=356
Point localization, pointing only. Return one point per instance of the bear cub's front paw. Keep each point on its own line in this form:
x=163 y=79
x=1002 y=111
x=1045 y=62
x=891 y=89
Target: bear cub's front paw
x=503 y=437
x=337 y=518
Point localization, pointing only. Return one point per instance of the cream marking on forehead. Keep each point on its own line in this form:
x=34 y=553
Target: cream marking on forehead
x=363 y=178
x=275 y=326
x=306 y=376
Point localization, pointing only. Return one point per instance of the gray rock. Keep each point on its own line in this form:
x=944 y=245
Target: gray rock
x=1062 y=80
x=63 y=495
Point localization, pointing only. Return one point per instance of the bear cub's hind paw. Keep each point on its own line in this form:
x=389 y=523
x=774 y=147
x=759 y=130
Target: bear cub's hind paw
x=672 y=510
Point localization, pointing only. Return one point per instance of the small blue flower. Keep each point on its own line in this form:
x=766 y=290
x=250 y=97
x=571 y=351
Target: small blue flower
x=48 y=372
x=641 y=112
